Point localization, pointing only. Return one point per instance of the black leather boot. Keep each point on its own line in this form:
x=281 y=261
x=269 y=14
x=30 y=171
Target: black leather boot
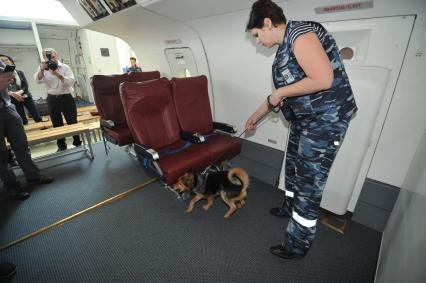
x=17 y=192
x=282 y=252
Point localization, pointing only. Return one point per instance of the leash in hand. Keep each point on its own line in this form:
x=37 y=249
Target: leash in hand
x=271 y=108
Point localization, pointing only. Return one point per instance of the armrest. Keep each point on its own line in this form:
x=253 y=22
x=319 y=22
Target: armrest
x=107 y=123
x=192 y=137
x=146 y=152
x=224 y=127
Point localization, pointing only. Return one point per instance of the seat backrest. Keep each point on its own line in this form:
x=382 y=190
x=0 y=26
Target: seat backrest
x=192 y=103
x=143 y=76
x=150 y=112
x=107 y=97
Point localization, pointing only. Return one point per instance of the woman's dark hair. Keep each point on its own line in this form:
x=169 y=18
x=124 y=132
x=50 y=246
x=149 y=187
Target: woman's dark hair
x=262 y=9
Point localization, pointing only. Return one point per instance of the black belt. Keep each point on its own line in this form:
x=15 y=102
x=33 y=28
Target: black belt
x=58 y=95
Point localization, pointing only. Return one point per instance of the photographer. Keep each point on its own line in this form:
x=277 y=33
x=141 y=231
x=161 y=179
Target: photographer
x=59 y=81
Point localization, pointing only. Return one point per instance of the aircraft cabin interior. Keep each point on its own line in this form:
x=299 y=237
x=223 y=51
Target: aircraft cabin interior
x=139 y=114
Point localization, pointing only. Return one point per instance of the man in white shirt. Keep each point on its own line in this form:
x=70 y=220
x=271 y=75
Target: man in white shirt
x=59 y=81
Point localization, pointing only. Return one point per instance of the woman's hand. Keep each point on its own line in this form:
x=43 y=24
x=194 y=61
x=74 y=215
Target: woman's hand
x=275 y=99
x=251 y=123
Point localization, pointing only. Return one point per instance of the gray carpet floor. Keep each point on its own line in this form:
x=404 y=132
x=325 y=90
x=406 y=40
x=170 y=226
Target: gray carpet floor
x=147 y=237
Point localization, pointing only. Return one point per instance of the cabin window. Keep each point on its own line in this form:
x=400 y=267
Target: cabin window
x=347 y=53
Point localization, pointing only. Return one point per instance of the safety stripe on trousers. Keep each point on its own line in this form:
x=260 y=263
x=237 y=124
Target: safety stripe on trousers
x=303 y=221
x=289 y=194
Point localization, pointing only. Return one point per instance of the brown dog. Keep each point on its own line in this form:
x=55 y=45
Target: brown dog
x=232 y=186
x=185 y=183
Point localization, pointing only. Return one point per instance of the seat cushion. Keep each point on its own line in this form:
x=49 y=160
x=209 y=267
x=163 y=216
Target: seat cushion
x=222 y=147
x=192 y=159
x=121 y=134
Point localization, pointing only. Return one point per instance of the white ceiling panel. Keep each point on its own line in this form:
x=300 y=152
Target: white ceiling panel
x=185 y=10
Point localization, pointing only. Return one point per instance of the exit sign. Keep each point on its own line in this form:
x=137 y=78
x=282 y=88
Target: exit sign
x=344 y=7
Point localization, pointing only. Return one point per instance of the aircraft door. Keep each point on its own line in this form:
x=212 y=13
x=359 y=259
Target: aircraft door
x=182 y=62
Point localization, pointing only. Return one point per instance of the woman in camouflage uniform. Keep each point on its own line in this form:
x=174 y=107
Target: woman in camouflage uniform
x=313 y=91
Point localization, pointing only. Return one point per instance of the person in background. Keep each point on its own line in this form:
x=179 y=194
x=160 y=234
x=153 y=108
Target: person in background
x=20 y=95
x=11 y=128
x=59 y=81
x=134 y=66
x=313 y=91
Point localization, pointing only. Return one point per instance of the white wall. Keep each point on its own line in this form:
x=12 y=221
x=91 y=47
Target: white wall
x=16 y=37
x=147 y=33
x=26 y=60
x=241 y=73
x=102 y=64
x=403 y=250
x=95 y=63
x=234 y=62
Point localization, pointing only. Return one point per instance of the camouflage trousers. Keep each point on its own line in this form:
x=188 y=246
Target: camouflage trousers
x=311 y=150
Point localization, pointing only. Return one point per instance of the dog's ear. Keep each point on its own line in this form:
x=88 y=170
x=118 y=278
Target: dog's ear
x=188 y=175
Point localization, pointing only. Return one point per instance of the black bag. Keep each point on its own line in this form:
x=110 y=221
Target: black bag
x=288 y=112
x=41 y=106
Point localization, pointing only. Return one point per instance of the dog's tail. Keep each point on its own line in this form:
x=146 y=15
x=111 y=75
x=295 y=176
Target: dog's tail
x=239 y=174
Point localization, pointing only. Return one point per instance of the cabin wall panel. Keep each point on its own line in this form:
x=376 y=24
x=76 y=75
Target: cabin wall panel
x=238 y=67
x=241 y=75
x=16 y=37
x=26 y=60
x=403 y=250
x=147 y=33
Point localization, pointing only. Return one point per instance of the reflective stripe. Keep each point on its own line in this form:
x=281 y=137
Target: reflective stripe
x=289 y=194
x=303 y=221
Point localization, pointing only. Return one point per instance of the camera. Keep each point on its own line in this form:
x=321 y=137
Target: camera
x=52 y=65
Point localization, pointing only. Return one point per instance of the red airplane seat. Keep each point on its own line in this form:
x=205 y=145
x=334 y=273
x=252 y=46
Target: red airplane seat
x=151 y=115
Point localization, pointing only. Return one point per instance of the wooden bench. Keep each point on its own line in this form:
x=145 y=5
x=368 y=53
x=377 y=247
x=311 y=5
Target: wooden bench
x=48 y=124
x=51 y=134
x=80 y=111
x=87 y=109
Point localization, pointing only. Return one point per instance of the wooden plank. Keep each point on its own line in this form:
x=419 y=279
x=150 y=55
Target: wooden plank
x=53 y=131
x=63 y=130
x=67 y=130
x=87 y=109
x=91 y=108
x=38 y=126
x=48 y=124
